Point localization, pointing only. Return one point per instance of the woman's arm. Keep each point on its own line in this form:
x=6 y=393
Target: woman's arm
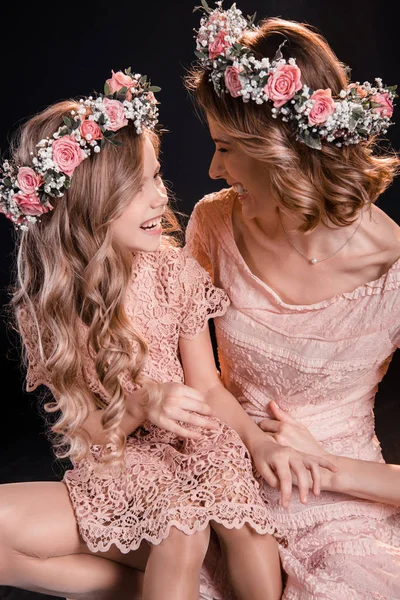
x=274 y=462
x=369 y=480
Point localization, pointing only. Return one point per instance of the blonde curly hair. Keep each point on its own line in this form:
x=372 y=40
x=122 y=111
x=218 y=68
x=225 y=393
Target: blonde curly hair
x=72 y=277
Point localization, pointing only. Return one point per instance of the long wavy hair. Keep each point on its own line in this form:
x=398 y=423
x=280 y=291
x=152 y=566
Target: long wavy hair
x=330 y=185
x=72 y=279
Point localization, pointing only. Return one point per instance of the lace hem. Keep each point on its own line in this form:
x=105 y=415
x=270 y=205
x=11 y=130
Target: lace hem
x=196 y=521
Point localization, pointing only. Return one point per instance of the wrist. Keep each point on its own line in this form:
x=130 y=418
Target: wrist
x=260 y=438
x=136 y=404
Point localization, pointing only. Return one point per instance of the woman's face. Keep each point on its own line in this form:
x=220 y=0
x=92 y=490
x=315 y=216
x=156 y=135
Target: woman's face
x=246 y=175
x=138 y=228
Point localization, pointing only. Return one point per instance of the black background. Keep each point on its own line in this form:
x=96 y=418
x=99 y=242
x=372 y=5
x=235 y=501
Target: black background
x=55 y=51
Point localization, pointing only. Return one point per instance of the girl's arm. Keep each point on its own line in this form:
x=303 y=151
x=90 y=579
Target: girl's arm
x=170 y=406
x=131 y=420
x=274 y=462
x=369 y=480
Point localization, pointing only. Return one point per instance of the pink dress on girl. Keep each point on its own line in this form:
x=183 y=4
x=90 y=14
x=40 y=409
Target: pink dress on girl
x=322 y=363
x=166 y=481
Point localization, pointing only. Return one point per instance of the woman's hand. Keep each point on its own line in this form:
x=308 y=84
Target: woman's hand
x=285 y=430
x=169 y=405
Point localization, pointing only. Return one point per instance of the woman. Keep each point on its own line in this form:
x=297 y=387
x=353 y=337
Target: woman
x=313 y=273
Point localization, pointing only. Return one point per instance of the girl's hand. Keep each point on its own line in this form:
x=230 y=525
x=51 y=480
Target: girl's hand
x=172 y=404
x=285 y=430
x=282 y=467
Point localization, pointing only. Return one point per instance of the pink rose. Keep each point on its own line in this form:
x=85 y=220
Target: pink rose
x=218 y=46
x=386 y=105
x=283 y=84
x=30 y=204
x=118 y=81
x=28 y=180
x=67 y=154
x=92 y=128
x=232 y=81
x=115 y=113
x=323 y=106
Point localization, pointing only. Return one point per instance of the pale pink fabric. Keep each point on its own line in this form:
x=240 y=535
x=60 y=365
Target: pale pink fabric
x=322 y=363
x=166 y=480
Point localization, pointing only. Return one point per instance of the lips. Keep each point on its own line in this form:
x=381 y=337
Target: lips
x=151 y=223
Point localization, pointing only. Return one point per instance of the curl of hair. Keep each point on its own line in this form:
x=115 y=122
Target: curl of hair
x=330 y=185
x=72 y=279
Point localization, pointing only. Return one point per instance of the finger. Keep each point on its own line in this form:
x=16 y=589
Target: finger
x=181 y=431
x=285 y=480
x=316 y=476
x=269 y=425
x=280 y=414
x=196 y=420
x=304 y=480
x=267 y=473
x=324 y=462
x=190 y=392
x=201 y=408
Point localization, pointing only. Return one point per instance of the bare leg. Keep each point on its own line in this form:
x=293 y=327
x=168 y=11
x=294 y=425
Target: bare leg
x=253 y=563
x=173 y=568
x=41 y=550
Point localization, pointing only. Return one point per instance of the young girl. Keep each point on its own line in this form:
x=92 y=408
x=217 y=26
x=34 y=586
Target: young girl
x=103 y=301
x=312 y=269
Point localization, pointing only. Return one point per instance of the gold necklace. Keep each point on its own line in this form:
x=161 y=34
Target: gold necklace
x=314 y=261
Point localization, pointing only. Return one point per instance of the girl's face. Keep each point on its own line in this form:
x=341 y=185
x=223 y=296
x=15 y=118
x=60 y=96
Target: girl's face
x=246 y=175
x=138 y=228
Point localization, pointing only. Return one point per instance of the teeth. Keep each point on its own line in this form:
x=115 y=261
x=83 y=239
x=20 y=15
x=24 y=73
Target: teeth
x=151 y=224
x=239 y=189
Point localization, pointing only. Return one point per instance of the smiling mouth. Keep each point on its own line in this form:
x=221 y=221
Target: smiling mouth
x=151 y=224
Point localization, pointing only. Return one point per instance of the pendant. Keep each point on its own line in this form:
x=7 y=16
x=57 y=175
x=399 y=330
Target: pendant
x=313 y=261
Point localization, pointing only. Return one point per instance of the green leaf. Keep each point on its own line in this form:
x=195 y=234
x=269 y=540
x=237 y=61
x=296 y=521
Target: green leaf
x=7 y=182
x=109 y=134
x=313 y=142
x=67 y=183
x=200 y=54
x=103 y=142
x=67 y=121
x=75 y=125
x=154 y=88
x=101 y=119
x=107 y=90
x=143 y=79
x=358 y=113
x=117 y=143
x=392 y=88
x=205 y=6
x=128 y=71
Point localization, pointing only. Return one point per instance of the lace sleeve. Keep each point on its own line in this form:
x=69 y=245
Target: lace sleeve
x=37 y=374
x=196 y=240
x=200 y=299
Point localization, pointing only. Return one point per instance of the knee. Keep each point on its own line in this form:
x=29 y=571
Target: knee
x=232 y=536
x=185 y=550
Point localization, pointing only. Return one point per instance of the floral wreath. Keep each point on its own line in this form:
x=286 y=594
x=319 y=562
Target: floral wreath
x=25 y=191
x=360 y=110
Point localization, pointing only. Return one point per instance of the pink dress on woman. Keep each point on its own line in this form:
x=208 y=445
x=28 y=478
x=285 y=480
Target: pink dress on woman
x=322 y=363
x=166 y=480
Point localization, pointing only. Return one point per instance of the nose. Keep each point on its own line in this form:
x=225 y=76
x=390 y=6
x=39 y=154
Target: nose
x=160 y=197
x=217 y=169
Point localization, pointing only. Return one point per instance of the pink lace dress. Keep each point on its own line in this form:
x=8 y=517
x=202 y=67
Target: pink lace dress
x=166 y=481
x=322 y=363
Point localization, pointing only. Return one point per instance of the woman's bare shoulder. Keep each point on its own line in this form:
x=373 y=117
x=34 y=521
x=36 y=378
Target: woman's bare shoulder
x=384 y=235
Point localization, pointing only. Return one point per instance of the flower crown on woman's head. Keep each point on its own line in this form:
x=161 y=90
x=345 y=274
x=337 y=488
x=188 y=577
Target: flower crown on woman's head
x=25 y=191
x=360 y=110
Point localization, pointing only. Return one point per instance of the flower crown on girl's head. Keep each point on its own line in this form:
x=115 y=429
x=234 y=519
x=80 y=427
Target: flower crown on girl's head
x=360 y=110
x=25 y=191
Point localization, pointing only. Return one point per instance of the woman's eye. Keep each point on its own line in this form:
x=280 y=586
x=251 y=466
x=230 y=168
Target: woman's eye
x=222 y=150
x=158 y=175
